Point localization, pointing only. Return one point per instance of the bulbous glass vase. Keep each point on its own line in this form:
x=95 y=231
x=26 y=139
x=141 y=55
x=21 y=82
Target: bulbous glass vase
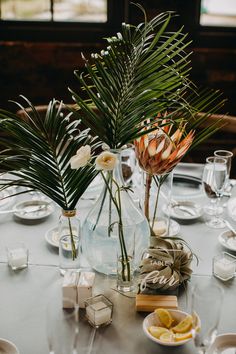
x=101 y=229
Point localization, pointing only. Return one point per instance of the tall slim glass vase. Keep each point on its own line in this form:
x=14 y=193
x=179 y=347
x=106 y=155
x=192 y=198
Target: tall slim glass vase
x=69 y=241
x=157 y=199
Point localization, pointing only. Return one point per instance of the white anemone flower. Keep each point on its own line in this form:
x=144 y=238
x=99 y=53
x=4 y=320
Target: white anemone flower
x=82 y=157
x=106 y=161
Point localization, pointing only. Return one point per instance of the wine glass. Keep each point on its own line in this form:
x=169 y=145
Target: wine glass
x=62 y=325
x=214 y=179
x=206 y=303
x=227 y=155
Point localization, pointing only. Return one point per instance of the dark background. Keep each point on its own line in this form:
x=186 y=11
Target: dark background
x=42 y=69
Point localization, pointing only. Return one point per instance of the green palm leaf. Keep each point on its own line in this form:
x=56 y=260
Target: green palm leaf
x=131 y=80
x=143 y=71
x=38 y=150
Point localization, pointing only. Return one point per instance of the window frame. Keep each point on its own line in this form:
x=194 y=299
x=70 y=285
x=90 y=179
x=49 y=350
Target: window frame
x=62 y=31
x=205 y=36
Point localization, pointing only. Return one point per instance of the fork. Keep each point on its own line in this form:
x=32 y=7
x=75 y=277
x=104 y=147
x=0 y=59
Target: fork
x=175 y=204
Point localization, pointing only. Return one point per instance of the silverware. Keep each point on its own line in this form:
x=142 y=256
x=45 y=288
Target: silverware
x=26 y=210
x=174 y=204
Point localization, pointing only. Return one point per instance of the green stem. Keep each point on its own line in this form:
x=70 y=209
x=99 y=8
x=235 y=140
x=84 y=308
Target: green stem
x=101 y=207
x=157 y=197
x=109 y=206
x=74 y=253
x=125 y=259
x=147 y=195
x=124 y=256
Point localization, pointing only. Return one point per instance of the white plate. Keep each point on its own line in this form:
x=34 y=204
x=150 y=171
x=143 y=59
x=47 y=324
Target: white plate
x=185 y=186
x=231 y=206
x=52 y=237
x=6 y=202
x=24 y=208
x=228 y=240
x=8 y=347
x=223 y=344
x=152 y=320
x=183 y=214
x=174 y=228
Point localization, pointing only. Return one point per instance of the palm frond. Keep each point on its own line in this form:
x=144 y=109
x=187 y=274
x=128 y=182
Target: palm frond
x=143 y=71
x=38 y=151
x=131 y=80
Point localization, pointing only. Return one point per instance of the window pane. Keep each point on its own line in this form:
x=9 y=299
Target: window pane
x=63 y=10
x=25 y=10
x=218 y=13
x=80 y=10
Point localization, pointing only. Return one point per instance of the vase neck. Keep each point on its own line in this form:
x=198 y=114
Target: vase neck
x=116 y=174
x=69 y=213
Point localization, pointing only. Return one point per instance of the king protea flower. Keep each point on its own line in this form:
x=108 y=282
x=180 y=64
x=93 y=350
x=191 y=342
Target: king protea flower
x=158 y=152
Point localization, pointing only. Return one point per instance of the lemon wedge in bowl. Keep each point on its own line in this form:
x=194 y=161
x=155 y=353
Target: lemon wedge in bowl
x=184 y=326
x=157 y=331
x=179 y=337
x=164 y=316
x=167 y=337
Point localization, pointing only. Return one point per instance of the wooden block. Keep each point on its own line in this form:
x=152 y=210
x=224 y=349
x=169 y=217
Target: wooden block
x=148 y=303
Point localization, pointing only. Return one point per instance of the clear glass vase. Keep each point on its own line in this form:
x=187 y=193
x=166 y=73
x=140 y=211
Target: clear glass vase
x=101 y=228
x=157 y=200
x=69 y=241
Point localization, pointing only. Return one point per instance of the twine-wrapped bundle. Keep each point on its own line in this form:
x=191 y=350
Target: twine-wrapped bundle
x=165 y=266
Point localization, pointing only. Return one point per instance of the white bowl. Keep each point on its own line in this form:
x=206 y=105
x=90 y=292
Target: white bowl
x=228 y=240
x=8 y=347
x=152 y=320
x=222 y=343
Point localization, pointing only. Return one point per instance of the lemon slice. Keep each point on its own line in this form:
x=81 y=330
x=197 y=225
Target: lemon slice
x=184 y=325
x=157 y=331
x=164 y=317
x=182 y=336
x=167 y=337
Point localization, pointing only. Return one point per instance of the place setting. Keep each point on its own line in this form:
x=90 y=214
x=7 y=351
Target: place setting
x=183 y=210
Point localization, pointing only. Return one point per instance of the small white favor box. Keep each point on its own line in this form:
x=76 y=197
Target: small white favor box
x=69 y=288
x=85 y=287
x=77 y=287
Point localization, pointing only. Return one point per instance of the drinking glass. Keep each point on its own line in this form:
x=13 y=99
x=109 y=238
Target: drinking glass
x=62 y=326
x=227 y=155
x=213 y=179
x=206 y=303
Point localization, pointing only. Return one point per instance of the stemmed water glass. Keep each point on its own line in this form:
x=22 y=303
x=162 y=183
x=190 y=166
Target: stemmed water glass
x=227 y=155
x=214 y=179
x=62 y=326
x=206 y=303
